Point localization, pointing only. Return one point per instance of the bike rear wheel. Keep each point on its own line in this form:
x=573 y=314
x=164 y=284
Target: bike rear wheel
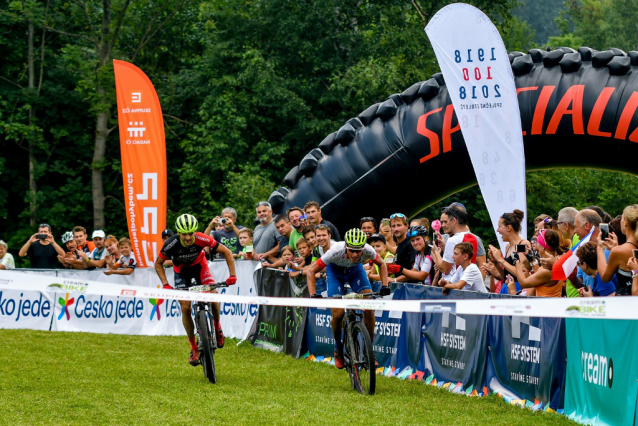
x=362 y=359
x=205 y=349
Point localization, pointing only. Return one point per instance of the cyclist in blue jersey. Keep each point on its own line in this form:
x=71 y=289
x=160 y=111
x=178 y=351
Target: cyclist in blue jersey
x=344 y=264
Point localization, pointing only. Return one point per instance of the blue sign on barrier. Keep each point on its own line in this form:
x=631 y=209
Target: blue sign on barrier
x=318 y=339
x=397 y=335
x=528 y=358
x=454 y=346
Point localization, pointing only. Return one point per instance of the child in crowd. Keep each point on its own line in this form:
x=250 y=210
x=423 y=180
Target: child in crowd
x=125 y=263
x=246 y=241
x=377 y=241
x=310 y=236
x=288 y=256
x=305 y=252
x=467 y=275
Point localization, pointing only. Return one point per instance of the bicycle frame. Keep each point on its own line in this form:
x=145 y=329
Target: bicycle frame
x=354 y=319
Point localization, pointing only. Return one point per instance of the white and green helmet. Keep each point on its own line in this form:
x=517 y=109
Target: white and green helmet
x=355 y=238
x=67 y=236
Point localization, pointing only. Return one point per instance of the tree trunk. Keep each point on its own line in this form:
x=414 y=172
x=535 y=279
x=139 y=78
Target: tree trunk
x=101 y=133
x=32 y=135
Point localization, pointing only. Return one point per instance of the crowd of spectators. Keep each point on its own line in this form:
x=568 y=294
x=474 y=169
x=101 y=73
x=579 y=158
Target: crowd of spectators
x=442 y=252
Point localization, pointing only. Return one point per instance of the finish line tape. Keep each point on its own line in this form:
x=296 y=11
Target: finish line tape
x=586 y=307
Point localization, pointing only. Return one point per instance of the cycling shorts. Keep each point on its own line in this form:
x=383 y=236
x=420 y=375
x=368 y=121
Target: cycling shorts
x=338 y=276
x=192 y=275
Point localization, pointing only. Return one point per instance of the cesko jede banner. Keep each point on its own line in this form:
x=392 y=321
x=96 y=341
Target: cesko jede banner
x=143 y=160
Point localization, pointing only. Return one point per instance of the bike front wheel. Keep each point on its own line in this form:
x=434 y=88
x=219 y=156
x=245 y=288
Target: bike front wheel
x=206 y=354
x=362 y=359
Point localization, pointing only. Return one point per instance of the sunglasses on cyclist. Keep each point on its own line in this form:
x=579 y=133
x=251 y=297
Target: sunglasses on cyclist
x=411 y=234
x=354 y=250
x=398 y=215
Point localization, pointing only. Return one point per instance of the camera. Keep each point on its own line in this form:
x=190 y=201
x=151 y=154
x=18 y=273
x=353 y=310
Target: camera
x=42 y=236
x=223 y=220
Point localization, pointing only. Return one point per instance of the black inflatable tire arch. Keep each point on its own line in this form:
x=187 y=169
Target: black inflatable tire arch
x=372 y=165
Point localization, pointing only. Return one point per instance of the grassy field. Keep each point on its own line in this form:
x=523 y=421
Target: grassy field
x=63 y=378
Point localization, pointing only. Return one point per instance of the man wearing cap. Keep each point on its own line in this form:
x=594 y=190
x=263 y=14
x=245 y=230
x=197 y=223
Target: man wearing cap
x=97 y=258
x=166 y=234
x=265 y=234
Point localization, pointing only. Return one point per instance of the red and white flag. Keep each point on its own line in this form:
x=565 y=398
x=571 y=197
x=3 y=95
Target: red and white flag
x=564 y=267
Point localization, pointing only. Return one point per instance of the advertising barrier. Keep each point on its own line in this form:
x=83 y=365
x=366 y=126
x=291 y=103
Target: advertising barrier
x=527 y=358
x=602 y=375
x=278 y=328
x=26 y=309
x=397 y=335
x=74 y=311
x=455 y=346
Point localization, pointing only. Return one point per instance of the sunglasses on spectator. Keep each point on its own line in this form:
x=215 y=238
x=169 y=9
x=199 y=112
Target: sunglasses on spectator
x=264 y=203
x=320 y=226
x=398 y=215
x=367 y=219
x=44 y=225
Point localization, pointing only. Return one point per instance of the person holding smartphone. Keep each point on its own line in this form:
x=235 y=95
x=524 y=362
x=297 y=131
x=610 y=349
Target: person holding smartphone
x=42 y=249
x=509 y=226
x=619 y=255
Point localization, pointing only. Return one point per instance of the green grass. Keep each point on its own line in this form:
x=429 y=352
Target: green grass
x=63 y=378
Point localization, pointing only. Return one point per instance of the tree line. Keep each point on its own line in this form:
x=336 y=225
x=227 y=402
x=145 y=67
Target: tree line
x=247 y=89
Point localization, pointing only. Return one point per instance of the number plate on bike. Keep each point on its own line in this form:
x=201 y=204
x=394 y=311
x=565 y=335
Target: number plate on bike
x=200 y=289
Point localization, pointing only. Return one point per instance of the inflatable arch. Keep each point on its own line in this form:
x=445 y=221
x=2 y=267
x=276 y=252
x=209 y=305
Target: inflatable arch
x=578 y=110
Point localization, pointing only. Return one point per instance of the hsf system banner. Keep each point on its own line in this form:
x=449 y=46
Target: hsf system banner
x=143 y=160
x=480 y=82
x=527 y=358
x=454 y=346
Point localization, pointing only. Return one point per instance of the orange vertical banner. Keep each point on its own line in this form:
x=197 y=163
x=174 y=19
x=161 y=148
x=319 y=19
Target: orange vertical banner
x=143 y=150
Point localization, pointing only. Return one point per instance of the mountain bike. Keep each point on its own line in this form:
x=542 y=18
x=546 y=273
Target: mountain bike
x=358 y=354
x=206 y=340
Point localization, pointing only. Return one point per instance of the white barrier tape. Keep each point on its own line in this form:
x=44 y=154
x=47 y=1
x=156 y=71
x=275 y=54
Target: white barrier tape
x=592 y=307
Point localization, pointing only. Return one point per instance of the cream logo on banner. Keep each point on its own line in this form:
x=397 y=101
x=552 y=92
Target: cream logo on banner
x=480 y=82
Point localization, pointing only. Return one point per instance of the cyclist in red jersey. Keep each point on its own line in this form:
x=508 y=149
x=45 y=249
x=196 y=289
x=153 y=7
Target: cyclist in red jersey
x=186 y=250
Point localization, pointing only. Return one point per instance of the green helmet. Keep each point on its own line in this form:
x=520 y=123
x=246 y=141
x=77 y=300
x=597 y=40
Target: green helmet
x=355 y=238
x=186 y=224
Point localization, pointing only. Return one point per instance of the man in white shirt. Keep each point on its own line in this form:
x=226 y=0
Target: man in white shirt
x=443 y=252
x=467 y=275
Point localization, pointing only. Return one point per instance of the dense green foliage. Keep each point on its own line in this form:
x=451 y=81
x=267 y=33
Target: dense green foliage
x=247 y=88
x=86 y=378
